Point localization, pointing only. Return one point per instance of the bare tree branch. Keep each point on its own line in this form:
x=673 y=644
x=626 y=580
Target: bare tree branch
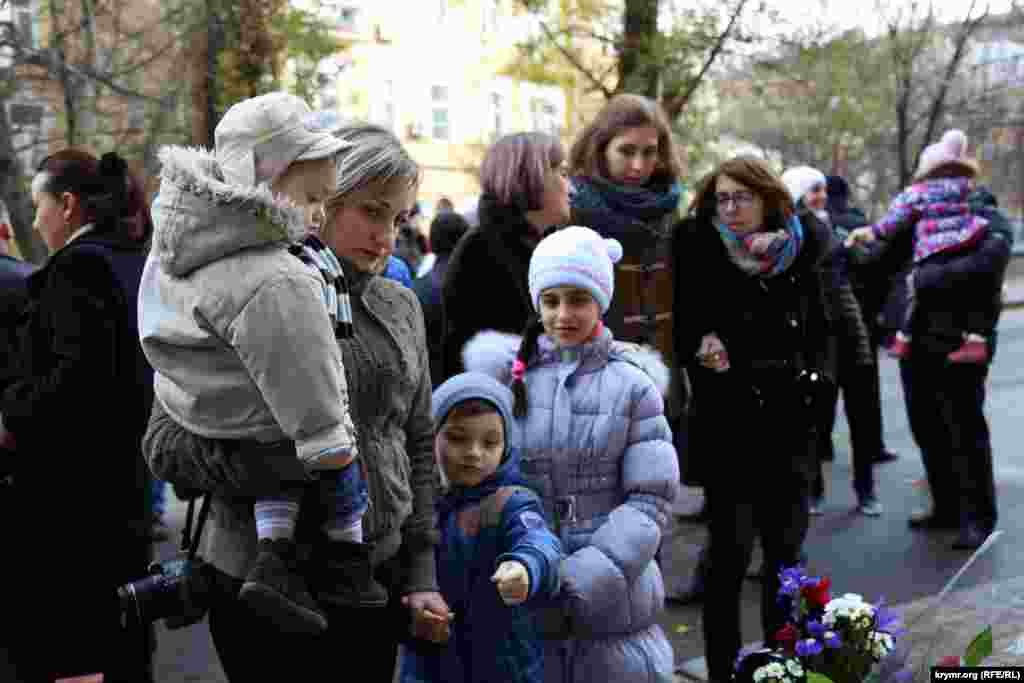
x=675 y=105
x=574 y=60
x=967 y=28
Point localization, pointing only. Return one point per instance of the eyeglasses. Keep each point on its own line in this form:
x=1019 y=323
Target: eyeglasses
x=816 y=187
x=741 y=199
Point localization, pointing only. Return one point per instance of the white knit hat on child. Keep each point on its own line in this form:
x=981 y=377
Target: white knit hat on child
x=575 y=257
x=950 y=150
x=800 y=179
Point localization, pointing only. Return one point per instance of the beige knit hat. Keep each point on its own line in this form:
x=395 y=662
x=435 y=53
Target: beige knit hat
x=951 y=150
x=258 y=138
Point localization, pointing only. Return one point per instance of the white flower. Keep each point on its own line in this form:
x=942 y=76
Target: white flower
x=850 y=607
x=773 y=671
x=794 y=668
x=883 y=641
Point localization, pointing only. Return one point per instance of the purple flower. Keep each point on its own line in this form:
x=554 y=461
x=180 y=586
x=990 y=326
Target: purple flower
x=790 y=581
x=808 y=647
x=904 y=675
x=833 y=640
x=888 y=620
x=816 y=628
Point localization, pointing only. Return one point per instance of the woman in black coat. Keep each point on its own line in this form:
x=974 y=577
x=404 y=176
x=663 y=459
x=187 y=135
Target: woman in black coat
x=76 y=398
x=752 y=311
x=525 y=192
x=854 y=362
x=946 y=401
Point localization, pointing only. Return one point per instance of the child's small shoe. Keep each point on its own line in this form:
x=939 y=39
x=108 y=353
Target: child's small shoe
x=276 y=590
x=900 y=347
x=347 y=576
x=973 y=350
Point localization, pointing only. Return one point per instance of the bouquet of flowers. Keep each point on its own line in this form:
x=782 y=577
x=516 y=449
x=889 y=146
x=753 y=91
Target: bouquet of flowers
x=839 y=639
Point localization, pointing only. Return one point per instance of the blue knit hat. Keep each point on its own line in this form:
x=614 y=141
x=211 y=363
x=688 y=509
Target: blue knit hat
x=575 y=257
x=476 y=385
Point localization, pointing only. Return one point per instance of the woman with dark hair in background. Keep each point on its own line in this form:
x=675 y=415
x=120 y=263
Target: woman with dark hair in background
x=749 y=271
x=76 y=396
x=626 y=185
x=525 y=191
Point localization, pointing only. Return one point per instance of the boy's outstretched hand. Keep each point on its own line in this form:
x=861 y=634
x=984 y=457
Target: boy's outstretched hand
x=860 y=236
x=513 y=582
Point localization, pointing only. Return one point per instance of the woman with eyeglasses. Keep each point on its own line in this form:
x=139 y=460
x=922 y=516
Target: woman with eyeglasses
x=854 y=359
x=748 y=276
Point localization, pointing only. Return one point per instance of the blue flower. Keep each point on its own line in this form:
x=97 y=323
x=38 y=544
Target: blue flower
x=790 y=581
x=808 y=647
x=816 y=628
x=832 y=640
x=888 y=620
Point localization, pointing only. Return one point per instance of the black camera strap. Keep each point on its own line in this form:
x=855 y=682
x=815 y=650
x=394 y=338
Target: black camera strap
x=190 y=542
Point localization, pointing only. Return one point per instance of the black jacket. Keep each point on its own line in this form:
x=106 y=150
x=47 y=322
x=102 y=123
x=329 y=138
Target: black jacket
x=852 y=340
x=486 y=286
x=13 y=297
x=77 y=400
x=772 y=330
x=428 y=291
x=782 y=319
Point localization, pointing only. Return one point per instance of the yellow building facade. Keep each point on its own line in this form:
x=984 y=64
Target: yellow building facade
x=433 y=72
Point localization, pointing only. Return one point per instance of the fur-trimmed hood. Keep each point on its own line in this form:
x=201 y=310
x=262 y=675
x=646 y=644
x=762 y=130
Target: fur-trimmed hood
x=493 y=353
x=198 y=218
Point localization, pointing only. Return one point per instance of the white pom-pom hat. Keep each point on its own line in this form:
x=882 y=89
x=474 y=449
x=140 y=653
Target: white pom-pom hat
x=800 y=179
x=951 y=150
x=575 y=257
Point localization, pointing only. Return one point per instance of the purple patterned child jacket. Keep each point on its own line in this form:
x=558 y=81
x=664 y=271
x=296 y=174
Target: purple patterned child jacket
x=938 y=211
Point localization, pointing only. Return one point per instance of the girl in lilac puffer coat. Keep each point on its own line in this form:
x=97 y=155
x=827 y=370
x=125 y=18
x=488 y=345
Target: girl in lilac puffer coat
x=598 y=449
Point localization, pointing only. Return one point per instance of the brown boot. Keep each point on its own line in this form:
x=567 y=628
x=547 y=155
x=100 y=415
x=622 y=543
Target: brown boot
x=346 y=576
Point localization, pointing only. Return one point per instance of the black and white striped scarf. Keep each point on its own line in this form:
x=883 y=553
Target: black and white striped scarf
x=317 y=255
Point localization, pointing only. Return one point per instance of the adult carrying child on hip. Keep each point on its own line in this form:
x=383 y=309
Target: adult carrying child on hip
x=242 y=334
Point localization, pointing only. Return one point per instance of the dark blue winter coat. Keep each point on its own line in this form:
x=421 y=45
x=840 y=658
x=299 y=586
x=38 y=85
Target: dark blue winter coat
x=490 y=642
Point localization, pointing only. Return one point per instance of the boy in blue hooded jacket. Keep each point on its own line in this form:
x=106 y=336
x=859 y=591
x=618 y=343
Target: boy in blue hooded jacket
x=497 y=555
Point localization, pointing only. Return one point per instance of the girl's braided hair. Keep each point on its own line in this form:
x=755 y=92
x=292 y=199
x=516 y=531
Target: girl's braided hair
x=528 y=347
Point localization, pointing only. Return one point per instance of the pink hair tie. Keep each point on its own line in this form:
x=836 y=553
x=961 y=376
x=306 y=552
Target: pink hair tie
x=518 y=370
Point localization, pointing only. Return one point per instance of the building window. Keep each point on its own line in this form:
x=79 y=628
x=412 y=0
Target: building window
x=544 y=116
x=347 y=18
x=491 y=10
x=497 y=123
x=440 y=124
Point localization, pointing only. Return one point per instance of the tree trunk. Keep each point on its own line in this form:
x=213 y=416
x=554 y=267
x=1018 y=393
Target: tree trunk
x=215 y=43
x=638 y=71
x=200 y=49
x=13 y=195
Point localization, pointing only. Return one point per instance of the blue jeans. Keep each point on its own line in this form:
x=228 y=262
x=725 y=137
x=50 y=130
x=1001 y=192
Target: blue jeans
x=351 y=495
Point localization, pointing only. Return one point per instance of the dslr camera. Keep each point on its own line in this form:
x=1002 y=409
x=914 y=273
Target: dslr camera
x=176 y=590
